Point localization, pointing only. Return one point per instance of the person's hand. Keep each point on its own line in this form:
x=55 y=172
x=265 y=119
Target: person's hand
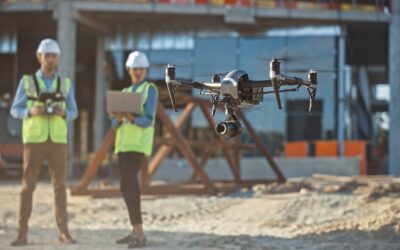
x=37 y=111
x=129 y=116
x=118 y=116
x=60 y=112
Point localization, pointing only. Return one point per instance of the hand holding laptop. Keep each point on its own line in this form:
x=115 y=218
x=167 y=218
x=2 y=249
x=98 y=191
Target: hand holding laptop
x=121 y=115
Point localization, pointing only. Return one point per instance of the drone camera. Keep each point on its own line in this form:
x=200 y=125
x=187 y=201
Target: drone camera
x=229 y=128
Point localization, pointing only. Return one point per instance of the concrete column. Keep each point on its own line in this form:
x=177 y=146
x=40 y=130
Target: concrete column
x=100 y=100
x=394 y=80
x=341 y=90
x=66 y=36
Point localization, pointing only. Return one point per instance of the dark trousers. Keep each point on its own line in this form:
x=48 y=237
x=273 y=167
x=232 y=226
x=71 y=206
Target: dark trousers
x=34 y=156
x=129 y=165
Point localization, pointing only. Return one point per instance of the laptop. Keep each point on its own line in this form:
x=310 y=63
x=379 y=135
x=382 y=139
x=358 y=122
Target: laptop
x=118 y=101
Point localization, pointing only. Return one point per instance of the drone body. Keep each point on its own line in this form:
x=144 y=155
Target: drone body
x=236 y=90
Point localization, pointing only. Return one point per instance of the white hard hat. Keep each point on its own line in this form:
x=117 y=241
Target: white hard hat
x=137 y=59
x=48 y=45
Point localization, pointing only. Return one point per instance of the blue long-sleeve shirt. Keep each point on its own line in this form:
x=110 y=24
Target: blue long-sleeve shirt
x=19 y=110
x=150 y=107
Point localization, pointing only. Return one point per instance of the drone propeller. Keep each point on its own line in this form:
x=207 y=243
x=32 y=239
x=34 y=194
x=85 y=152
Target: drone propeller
x=169 y=78
x=284 y=58
x=155 y=64
x=221 y=73
x=218 y=74
x=307 y=71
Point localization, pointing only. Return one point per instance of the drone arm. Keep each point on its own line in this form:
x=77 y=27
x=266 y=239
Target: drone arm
x=197 y=85
x=281 y=79
x=256 y=84
x=289 y=80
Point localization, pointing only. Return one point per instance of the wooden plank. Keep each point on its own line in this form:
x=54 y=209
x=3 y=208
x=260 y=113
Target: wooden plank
x=174 y=189
x=370 y=179
x=185 y=149
x=96 y=192
x=203 y=144
x=164 y=151
x=250 y=182
x=97 y=159
x=207 y=153
x=333 y=178
x=237 y=155
x=261 y=147
x=177 y=190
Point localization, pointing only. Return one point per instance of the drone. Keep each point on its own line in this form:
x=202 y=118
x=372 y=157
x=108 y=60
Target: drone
x=235 y=90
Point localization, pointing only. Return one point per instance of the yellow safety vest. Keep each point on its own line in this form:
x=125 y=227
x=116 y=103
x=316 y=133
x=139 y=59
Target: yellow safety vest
x=132 y=138
x=37 y=129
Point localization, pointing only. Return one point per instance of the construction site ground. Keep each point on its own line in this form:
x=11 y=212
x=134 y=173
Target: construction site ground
x=322 y=212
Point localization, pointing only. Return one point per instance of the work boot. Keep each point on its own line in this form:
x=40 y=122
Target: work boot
x=66 y=238
x=138 y=243
x=125 y=240
x=22 y=238
x=20 y=241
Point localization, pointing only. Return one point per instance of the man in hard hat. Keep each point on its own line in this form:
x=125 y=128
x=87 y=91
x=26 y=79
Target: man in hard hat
x=44 y=134
x=134 y=141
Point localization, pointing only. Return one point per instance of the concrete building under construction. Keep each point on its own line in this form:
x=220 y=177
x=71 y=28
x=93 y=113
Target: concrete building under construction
x=348 y=42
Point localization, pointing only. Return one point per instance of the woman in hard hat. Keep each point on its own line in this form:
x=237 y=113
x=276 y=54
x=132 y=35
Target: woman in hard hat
x=134 y=141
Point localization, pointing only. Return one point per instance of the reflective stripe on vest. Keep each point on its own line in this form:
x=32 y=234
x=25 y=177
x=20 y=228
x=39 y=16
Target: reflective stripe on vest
x=132 y=138
x=37 y=129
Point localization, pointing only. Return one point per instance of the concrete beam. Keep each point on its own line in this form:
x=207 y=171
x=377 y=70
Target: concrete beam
x=66 y=36
x=92 y=23
x=394 y=80
x=112 y=7
x=189 y=9
x=240 y=15
x=26 y=6
x=278 y=13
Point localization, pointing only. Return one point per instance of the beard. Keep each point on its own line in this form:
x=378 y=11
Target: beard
x=50 y=67
x=138 y=78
